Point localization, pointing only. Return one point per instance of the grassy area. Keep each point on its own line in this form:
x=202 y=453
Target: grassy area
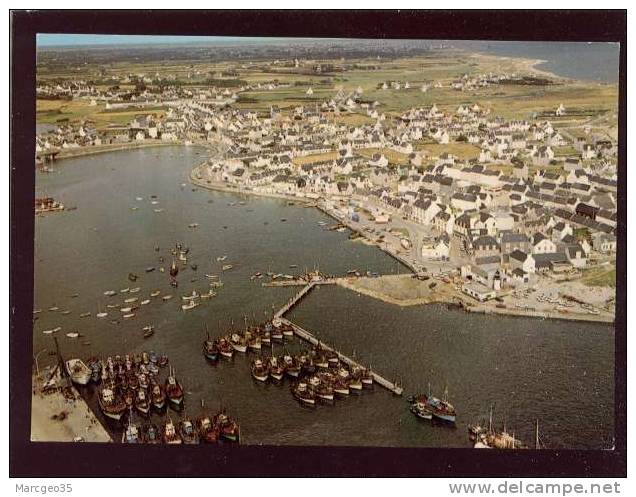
x=462 y=150
x=392 y=156
x=600 y=276
x=308 y=159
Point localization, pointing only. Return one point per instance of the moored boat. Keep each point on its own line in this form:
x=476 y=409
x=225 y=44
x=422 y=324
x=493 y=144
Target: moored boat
x=79 y=372
x=112 y=405
x=260 y=370
x=303 y=393
x=174 y=391
x=208 y=432
x=228 y=428
x=187 y=432
x=170 y=435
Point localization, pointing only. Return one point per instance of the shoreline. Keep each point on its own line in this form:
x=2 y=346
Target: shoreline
x=456 y=299
x=467 y=305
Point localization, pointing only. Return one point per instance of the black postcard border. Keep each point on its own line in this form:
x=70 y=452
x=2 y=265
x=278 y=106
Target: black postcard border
x=27 y=459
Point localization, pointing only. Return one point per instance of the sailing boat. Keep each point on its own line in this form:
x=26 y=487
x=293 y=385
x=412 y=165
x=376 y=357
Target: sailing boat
x=174 y=270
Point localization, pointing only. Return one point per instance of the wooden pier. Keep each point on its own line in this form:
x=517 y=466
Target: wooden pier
x=307 y=336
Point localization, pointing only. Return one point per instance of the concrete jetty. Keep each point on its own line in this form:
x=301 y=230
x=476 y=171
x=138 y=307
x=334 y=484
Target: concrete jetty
x=309 y=337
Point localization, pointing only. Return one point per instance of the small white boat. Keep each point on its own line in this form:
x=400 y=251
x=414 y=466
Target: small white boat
x=148 y=327
x=72 y=334
x=131 y=300
x=155 y=293
x=125 y=309
x=139 y=199
x=193 y=225
x=112 y=306
x=110 y=293
x=54 y=308
x=129 y=315
x=154 y=202
x=51 y=331
x=158 y=210
x=212 y=276
x=37 y=311
x=190 y=305
x=135 y=290
x=101 y=314
x=227 y=267
x=221 y=258
x=79 y=372
x=192 y=296
x=166 y=297
x=124 y=290
x=144 y=302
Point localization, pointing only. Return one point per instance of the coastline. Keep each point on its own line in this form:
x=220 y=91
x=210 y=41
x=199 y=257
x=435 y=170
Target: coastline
x=452 y=297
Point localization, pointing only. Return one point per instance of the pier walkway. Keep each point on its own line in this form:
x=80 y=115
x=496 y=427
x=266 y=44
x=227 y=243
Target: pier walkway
x=307 y=336
x=294 y=300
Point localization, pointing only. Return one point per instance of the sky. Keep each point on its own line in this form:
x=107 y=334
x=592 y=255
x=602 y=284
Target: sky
x=51 y=39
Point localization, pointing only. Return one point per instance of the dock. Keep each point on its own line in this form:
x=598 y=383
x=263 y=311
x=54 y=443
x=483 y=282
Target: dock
x=294 y=300
x=308 y=337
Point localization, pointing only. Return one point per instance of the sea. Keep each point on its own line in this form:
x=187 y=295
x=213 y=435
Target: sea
x=558 y=373
x=593 y=61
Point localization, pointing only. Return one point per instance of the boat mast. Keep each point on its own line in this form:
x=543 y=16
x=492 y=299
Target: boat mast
x=536 y=435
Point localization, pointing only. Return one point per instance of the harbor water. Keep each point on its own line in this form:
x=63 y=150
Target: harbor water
x=558 y=372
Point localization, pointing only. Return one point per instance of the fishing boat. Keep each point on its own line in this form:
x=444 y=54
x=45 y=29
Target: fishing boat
x=131 y=434
x=190 y=305
x=228 y=428
x=208 y=295
x=170 y=435
x=342 y=382
x=174 y=391
x=155 y=293
x=174 y=270
x=238 y=342
x=194 y=295
x=225 y=347
x=150 y=434
x=95 y=365
x=421 y=411
x=321 y=389
x=210 y=349
x=292 y=368
x=253 y=341
x=142 y=403
x=440 y=408
x=79 y=372
x=208 y=432
x=276 y=368
x=303 y=393
x=306 y=363
x=158 y=397
x=188 y=433
x=113 y=406
x=260 y=370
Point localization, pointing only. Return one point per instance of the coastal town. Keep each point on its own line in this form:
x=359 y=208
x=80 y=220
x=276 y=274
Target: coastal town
x=485 y=185
x=505 y=208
